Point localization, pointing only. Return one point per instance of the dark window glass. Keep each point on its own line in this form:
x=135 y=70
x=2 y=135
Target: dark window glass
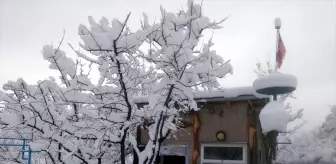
x=223 y=153
x=173 y=159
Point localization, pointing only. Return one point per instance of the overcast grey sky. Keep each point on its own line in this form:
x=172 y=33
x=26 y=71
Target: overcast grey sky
x=308 y=31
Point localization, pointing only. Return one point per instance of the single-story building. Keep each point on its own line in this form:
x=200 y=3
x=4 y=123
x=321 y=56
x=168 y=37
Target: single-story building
x=225 y=130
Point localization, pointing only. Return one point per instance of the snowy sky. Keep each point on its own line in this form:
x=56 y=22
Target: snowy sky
x=308 y=31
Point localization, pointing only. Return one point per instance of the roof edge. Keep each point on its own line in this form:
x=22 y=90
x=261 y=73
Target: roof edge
x=227 y=94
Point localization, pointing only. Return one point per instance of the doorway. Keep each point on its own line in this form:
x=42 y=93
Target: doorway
x=173 y=159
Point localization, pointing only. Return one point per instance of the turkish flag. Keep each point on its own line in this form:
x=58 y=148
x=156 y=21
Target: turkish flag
x=281 y=52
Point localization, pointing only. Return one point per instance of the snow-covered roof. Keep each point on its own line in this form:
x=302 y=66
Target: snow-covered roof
x=286 y=82
x=237 y=93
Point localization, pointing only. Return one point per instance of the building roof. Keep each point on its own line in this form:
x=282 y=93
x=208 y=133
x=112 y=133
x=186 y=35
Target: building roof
x=228 y=94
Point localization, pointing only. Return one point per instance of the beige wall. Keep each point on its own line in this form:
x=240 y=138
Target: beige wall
x=234 y=122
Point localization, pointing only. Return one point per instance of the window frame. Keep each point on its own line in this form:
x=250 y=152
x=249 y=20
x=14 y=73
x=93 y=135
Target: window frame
x=242 y=145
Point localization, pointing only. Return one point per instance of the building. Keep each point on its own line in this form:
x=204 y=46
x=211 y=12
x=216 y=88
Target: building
x=225 y=130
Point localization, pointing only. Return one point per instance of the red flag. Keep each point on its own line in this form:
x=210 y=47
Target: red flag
x=281 y=52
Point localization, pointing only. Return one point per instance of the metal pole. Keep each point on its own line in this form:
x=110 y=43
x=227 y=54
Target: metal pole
x=274 y=134
x=23 y=148
x=29 y=156
x=277 y=25
x=276 y=50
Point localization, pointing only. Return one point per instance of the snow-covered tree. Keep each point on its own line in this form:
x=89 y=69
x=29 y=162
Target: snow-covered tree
x=315 y=146
x=9 y=154
x=328 y=129
x=83 y=120
x=306 y=148
x=327 y=137
x=295 y=116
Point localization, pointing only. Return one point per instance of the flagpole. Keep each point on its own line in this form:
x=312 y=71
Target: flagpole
x=277 y=25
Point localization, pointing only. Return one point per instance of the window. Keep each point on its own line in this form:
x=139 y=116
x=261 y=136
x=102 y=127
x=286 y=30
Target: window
x=223 y=154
